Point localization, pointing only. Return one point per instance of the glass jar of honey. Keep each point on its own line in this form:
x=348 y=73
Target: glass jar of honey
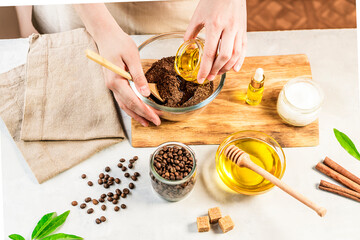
x=263 y=150
x=188 y=58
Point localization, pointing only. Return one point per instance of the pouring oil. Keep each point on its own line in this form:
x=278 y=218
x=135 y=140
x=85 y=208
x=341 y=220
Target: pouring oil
x=243 y=179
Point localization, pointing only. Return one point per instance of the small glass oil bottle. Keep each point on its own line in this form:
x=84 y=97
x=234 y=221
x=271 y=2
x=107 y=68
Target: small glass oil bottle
x=188 y=58
x=256 y=88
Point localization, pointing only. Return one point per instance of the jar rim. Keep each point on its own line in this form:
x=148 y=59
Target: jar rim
x=305 y=79
x=172 y=182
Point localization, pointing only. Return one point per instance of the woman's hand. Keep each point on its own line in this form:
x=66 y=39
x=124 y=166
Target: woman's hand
x=225 y=25
x=114 y=44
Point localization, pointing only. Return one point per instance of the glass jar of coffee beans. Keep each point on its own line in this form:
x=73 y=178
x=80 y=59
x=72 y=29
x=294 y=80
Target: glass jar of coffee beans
x=173 y=170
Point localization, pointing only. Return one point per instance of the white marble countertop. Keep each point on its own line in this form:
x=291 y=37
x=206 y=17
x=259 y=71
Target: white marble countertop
x=274 y=215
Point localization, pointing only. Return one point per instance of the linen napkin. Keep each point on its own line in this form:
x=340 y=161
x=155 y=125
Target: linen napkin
x=57 y=108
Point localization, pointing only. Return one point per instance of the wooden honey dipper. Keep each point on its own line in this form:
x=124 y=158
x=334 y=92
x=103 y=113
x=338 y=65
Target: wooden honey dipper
x=242 y=159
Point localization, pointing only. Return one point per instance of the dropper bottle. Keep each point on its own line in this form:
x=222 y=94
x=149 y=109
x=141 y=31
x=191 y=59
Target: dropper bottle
x=256 y=88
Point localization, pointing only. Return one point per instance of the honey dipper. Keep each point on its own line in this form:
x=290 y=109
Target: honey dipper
x=242 y=159
x=116 y=69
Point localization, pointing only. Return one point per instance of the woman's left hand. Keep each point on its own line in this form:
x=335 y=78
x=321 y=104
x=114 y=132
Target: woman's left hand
x=225 y=25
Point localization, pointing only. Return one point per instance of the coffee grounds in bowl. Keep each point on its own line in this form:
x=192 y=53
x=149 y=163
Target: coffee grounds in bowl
x=174 y=90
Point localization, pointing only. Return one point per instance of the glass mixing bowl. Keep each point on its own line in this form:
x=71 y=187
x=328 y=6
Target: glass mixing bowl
x=261 y=146
x=166 y=45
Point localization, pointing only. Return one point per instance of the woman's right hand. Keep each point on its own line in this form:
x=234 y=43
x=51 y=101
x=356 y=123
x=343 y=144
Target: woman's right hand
x=118 y=47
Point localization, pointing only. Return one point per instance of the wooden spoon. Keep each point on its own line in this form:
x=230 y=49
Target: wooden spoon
x=116 y=69
x=242 y=159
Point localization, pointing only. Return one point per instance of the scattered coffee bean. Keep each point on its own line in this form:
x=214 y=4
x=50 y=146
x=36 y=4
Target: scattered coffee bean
x=116 y=208
x=107 y=176
x=111 y=179
x=130 y=166
x=123 y=206
x=123 y=195
x=110 y=199
x=116 y=197
x=120 y=165
x=132 y=161
x=136 y=158
x=115 y=201
x=131 y=185
x=90 y=183
x=106 y=185
x=103 y=219
x=90 y=211
x=123 y=168
x=107 y=169
x=74 y=203
x=127 y=175
x=98 y=221
x=134 y=178
x=101 y=200
x=111 y=183
x=103 y=207
x=117 y=180
x=83 y=205
x=88 y=199
x=100 y=181
x=83 y=176
x=103 y=195
x=122 y=160
x=118 y=191
x=110 y=194
x=101 y=175
x=136 y=174
x=95 y=202
x=126 y=191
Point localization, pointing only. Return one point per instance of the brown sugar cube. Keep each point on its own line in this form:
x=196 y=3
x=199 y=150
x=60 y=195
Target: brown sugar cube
x=203 y=224
x=226 y=224
x=214 y=214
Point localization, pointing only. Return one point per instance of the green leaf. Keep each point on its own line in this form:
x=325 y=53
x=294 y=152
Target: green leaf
x=16 y=237
x=346 y=143
x=44 y=221
x=54 y=224
x=58 y=236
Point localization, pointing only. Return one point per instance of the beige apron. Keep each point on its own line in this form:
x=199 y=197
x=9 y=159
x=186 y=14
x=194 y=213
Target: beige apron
x=133 y=17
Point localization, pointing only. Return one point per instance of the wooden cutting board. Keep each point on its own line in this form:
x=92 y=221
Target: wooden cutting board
x=229 y=113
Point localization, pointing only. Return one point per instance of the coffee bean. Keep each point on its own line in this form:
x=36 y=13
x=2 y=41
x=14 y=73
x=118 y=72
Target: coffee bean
x=130 y=166
x=106 y=185
x=126 y=191
x=95 y=202
x=134 y=178
x=123 y=168
x=100 y=181
x=116 y=196
x=111 y=179
x=103 y=195
x=127 y=175
x=122 y=160
x=98 y=221
x=110 y=194
x=123 y=206
x=116 y=208
x=118 y=191
x=132 y=161
x=103 y=219
x=111 y=183
x=117 y=180
x=101 y=175
x=135 y=158
x=107 y=169
x=101 y=200
x=120 y=165
x=90 y=183
x=110 y=199
x=88 y=199
x=83 y=176
x=90 y=211
x=103 y=207
x=74 y=203
x=136 y=174
x=83 y=205
x=123 y=195
x=131 y=185
x=107 y=176
x=115 y=201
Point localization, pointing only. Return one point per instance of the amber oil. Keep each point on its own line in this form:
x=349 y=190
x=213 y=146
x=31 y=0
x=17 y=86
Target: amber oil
x=188 y=58
x=256 y=88
x=244 y=180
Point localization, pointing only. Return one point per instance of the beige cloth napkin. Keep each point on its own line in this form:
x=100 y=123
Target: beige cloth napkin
x=58 y=111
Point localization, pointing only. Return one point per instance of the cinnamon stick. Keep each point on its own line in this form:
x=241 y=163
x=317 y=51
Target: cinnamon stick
x=341 y=170
x=337 y=176
x=342 y=190
x=339 y=193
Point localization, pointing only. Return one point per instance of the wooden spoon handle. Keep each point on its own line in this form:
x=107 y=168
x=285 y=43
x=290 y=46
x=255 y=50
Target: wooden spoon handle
x=106 y=63
x=242 y=159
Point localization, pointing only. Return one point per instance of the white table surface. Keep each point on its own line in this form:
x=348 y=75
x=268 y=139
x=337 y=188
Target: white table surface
x=274 y=215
